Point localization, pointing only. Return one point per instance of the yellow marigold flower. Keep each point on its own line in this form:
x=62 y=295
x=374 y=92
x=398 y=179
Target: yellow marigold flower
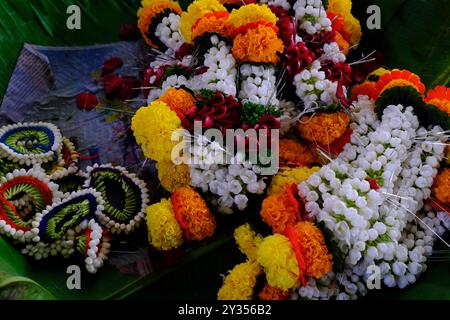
x=173 y=176
x=240 y=282
x=179 y=100
x=163 y=229
x=342 y=42
x=294 y=154
x=441 y=187
x=214 y=22
x=289 y=176
x=153 y=127
x=195 y=11
x=276 y=256
x=378 y=73
x=252 y=13
x=247 y=240
x=269 y=293
x=149 y=9
x=259 y=44
x=324 y=128
x=318 y=259
x=351 y=27
x=192 y=214
x=278 y=211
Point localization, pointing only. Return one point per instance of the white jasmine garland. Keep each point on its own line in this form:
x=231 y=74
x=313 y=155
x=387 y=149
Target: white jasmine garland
x=311 y=16
x=279 y=3
x=332 y=52
x=221 y=73
x=168 y=31
x=258 y=84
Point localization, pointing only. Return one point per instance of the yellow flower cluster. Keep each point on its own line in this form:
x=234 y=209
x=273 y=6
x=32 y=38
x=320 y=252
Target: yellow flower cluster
x=247 y=240
x=173 y=176
x=318 y=259
x=194 y=12
x=163 y=229
x=277 y=257
x=352 y=27
x=240 y=282
x=153 y=127
x=289 y=176
x=324 y=128
x=251 y=13
x=149 y=9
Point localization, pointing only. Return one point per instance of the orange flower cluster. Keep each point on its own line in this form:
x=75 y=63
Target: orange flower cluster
x=212 y=22
x=179 y=100
x=318 y=259
x=269 y=293
x=294 y=154
x=149 y=10
x=440 y=98
x=366 y=88
x=398 y=78
x=324 y=128
x=192 y=214
x=278 y=211
x=260 y=44
x=441 y=187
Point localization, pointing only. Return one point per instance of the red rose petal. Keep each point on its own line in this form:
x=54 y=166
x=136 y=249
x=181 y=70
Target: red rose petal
x=111 y=65
x=86 y=101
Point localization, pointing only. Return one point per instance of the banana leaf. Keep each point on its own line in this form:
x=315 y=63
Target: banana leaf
x=414 y=35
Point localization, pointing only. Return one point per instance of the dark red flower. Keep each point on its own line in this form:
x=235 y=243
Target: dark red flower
x=111 y=65
x=128 y=89
x=129 y=31
x=278 y=11
x=113 y=83
x=315 y=42
x=220 y=112
x=337 y=72
x=183 y=51
x=373 y=184
x=148 y=74
x=360 y=71
x=86 y=101
x=297 y=57
x=287 y=31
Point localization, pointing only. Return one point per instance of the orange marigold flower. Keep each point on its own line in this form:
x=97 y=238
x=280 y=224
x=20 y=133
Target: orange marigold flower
x=318 y=258
x=252 y=13
x=345 y=23
x=213 y=22
x=278 y=211
x=193 y=214
x=260 y=44
x=149 y=10
x=269 y=293
x=179 y=100
x=441 y=187
x=324 y=128
x=294 y=154
x=342 y=43
x=366 y=88
x=440 y=98
x=398 y=78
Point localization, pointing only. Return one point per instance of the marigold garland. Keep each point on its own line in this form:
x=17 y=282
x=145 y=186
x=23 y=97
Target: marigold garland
x=294 y=154
x=350 y=28
x=149 y=9
x=213 y=22
x=366 y=88
x=278 y=212
x=252 y=13
x=398 y=78
x=193 y=214
x=441 y=187
x=153 y=127
x=173 y=176
x=195 y=11
x=247 y=240
x=324 y=128
x=289 y=176
x=269 y=293
x=318 y=259
x=240 y=282
x=163 y=229
x=440 y=98
x=277 y=257
x=179 y=100
x=260 y=44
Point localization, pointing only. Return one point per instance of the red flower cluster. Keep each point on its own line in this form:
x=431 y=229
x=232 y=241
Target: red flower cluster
x=297 y=57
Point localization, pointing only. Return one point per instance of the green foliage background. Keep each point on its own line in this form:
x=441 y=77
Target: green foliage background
x=415 y=35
